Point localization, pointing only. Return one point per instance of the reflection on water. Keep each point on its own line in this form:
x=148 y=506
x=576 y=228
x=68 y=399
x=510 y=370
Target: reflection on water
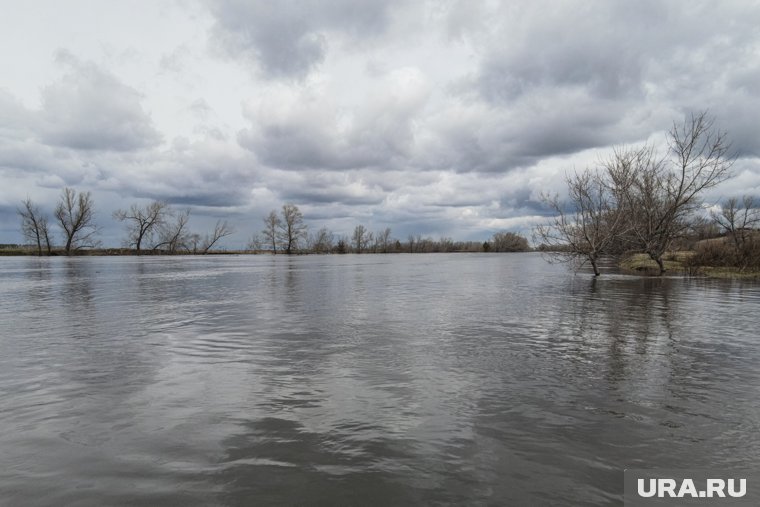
x=385 y=380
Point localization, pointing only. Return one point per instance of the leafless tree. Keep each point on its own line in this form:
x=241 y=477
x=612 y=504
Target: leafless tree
x=383 y=240
x=446 y=244
x=639 y=200
x=34 y=225
x=322 y=241
x=256 y=243
x=292 y=227
x=739 y=221
x=585 y=227
x=221 y=230
x=508 y=242
x=661 y=195
x=271 y=229
x=360 y=238
x=143 y=221
x=173 y=236
x=75 y=214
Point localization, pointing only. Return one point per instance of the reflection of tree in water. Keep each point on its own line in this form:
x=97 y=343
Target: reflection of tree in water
x=38 y=272
x=614 y=322
x=76 y=290
x=105 y=347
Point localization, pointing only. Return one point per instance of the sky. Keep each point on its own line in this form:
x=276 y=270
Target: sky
x=440 y=118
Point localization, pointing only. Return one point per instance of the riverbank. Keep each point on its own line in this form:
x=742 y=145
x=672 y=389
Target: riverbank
x=104 y=252
x=678 y=263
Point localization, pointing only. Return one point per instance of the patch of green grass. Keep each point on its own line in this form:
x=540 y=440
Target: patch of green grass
x=675 y=262
x=641 y=263
x=730 y=272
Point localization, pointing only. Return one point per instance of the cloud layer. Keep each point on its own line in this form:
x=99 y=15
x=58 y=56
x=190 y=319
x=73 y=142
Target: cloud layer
x=432 y=117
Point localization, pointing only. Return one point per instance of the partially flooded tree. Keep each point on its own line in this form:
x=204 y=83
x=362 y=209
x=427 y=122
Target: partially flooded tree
x=221 y=229
x=292 y=228
x=34 y=225
x=173 y=235
x=585 y=227
x=75 y=214
x=271 y=229
x=662 y=195
x=639 y=200
x=143 y=221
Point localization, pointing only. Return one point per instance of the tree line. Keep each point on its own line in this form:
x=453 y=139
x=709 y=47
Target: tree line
x=286 y=232
x=641 y=199
x=156 y=227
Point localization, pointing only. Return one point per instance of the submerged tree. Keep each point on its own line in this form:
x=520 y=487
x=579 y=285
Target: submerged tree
x=75 y=214
x=34 y=225
x=585 y=227
x=638 y=200
x=173 y=236
x=221 y=230
x=143 y=221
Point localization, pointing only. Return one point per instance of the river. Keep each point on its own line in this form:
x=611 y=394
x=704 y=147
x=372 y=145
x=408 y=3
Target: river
x=446 y=379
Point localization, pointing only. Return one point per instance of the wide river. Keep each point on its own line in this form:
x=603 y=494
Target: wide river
x=463 y=379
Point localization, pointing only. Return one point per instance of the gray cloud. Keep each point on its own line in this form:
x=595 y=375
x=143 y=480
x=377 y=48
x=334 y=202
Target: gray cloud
x=435 y=117
x=288 y=38
x=305 y=130
x=90 y=109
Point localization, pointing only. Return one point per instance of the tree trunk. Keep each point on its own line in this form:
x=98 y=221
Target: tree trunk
x=661 y=264
x=595 y=267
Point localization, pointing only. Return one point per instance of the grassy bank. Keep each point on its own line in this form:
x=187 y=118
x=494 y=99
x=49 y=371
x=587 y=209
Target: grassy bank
x=677 y=263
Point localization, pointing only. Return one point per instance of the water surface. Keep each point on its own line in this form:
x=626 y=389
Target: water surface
x=375 y=380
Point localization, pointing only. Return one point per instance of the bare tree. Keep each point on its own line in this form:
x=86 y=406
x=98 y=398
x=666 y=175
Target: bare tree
x=508 y=242
x=221 y=230
x=322 y=241
x=383 y=240
x=292 y=227
x=661 y=195
x=173 y=236
x=34 y=225
x=360 y=238
x=143 y=222
x=75 y=214
x=256 y=243
x=586 y=227
x=641 y=201
x=271 y=229
x=410 y=242
x=739 y=221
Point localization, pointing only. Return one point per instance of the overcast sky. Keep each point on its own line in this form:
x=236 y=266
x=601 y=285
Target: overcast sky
x=447 y=117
